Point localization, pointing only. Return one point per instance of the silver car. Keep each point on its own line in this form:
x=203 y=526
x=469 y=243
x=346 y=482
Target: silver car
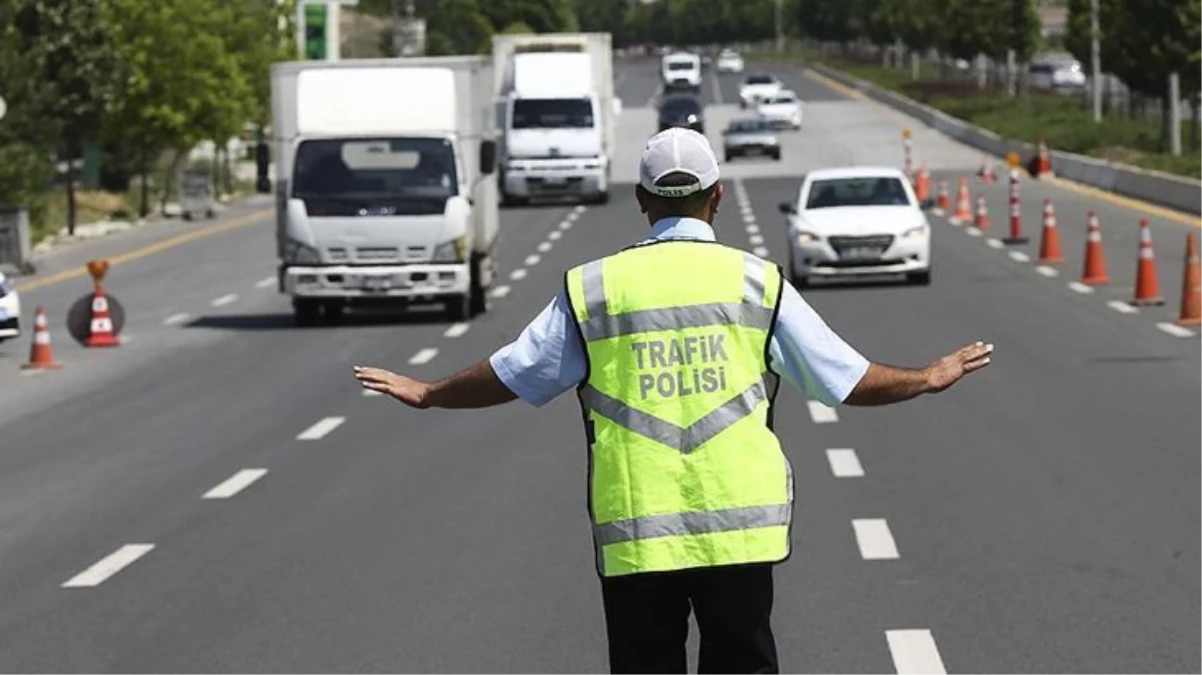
x=750 y=136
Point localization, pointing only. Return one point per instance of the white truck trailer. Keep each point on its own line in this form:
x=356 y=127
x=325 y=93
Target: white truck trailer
x=555 y=100
x=383 y=193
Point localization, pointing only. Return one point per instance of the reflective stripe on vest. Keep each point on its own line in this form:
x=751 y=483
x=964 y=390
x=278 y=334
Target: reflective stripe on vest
x=684 y=469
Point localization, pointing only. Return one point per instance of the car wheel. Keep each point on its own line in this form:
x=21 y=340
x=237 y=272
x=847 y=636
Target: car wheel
x=306 y=312
x=459 y=308
x=920 y=278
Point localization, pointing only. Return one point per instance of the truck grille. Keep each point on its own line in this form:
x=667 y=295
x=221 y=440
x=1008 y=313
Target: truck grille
x=377 y=254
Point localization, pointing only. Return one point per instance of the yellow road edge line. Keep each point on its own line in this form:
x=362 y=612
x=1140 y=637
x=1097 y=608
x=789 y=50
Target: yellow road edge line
x=1063 y=183
x=149 y=250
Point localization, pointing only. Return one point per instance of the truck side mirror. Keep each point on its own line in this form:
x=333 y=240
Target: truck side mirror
x=262 y=161
x=488 y=157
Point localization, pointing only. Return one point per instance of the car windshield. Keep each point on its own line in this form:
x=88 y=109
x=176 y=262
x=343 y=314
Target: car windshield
x=367 y=168
x=761 y=79
x=872 y=191
x=781 y=99
x=747 y=126
x=681 y=65
x=552 y=114
x=681 y=106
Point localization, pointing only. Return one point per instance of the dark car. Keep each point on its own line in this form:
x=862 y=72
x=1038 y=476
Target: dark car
x=682 y=111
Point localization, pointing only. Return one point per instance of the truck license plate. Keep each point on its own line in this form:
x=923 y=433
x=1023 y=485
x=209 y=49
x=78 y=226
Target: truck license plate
x=377 y=283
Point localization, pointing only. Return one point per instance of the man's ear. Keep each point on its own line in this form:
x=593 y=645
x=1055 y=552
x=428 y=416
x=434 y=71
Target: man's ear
x=640 y=196
x=716 y=199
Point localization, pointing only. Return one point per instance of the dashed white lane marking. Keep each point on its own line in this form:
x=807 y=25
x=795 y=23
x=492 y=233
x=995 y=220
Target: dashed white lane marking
x=518 y=274
x=1079 y=287
x=1175 y=330
x=565 y=225
x=756 y=240
x=265 y=282
x=554 y=235
x=844 y=463
x=749 y=218
x=974 y=232
x=1048 y=271
x=761 y=251
x=914 y=652
x=225 y=300
x=371 y=392
x=874 y=539
x=753 y=229
x=235 y=484
x=176 y=319
x=108 y=566
x=457 y=329
x=1122 y=307
x=822 y=413
x=579 y=209
x=994 y=243
x=532 y=260
x=545 y=246
x=1019 y=256
x=321 y=429
x=744 y=207
x=424 y=355
x=500 y=291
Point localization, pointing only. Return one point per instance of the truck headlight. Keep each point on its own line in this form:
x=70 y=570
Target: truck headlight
x=452 y=251
x=297 y=253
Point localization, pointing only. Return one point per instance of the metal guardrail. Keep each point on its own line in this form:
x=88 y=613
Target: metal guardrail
x=16 y=249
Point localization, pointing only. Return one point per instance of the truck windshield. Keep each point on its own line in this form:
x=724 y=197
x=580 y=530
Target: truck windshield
x=566 y=113
x=681 y=65
x=376 y=168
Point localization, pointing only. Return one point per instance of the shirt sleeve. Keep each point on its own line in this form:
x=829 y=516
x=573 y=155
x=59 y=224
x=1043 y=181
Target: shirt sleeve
x=546 y=360
x=807 y=353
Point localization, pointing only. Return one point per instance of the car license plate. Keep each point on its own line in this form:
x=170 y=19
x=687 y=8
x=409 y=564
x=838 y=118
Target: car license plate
x=753 y=150
x=555 y=180
x=860 y=253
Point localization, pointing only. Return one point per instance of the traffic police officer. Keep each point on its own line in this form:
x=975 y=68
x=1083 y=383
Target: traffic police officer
x=676 y=346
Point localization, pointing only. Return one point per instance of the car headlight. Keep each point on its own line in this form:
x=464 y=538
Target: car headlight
x=805 y=237
x=298 y=253
x=452 y=251
x=914 y=232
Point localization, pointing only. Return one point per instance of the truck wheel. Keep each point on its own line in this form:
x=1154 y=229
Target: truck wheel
x=333 y=314
x=479 y=294
x=459 y=308
x=601 y=198
x=306 y=312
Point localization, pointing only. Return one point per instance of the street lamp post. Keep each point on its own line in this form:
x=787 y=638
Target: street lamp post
x=1095 y=56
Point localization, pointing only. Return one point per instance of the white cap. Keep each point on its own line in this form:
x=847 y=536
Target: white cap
x=678 y=150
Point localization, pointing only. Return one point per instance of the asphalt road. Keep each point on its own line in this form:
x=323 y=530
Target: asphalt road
x=1040 y=517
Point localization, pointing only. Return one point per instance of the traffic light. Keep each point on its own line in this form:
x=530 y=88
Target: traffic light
x=315 y=31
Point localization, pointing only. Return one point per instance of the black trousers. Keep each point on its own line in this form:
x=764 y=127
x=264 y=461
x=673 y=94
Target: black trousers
x=647 y=619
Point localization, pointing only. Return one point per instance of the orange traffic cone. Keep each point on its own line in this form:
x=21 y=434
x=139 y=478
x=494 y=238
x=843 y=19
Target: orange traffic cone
x=944 y=201
x=1191 y=291
x=923 y=188
x=981 y=220
x=1049 y=243
x=1147 y=282
x=985 y=173
x=101 y=330
x=963 y=212
x=1016 y=237
x=1044 y=165
x=1095 y=257
x=41 y=356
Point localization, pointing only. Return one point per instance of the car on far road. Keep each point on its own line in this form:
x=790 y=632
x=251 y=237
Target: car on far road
x=729 y=61
x=750 y=137
x=682 y=111
x=857 y=221
x=10 y=309
x=757 y=86
x=782 y=110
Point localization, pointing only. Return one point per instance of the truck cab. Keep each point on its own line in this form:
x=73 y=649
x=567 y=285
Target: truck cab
x=681 y=71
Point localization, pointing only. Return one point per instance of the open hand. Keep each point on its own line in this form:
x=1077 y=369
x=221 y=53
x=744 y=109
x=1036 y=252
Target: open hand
x=948 y=370
x=407 y=390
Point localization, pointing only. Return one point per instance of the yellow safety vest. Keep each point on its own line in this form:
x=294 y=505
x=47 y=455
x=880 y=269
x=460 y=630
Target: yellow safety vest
x=684 y=469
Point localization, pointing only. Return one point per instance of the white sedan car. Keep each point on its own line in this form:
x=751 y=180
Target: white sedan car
x=730 y=62
x=757 y=86
x=10 y=310
x=857 y=221
x=781 y=110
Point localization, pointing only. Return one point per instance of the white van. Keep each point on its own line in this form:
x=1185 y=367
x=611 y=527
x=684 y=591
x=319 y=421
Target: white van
x=681 y=71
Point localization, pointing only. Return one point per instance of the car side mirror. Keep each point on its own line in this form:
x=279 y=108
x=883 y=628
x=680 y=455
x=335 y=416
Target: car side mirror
x=787 y=209
x=928 y=203
x=488 y=157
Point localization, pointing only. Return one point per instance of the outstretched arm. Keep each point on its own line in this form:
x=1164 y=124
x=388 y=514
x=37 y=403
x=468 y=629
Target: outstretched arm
x=883 y=385
x=475 y=387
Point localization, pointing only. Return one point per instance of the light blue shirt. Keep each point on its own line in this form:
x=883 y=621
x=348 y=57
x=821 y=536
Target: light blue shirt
x=548 y=358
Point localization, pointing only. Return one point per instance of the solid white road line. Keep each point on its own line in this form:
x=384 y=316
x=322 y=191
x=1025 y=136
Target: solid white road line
x=425 y=355
x=175 y=319
x=822 y=413
x=914 y=652
x=457 y=329
x=545 y=246
x=1048 y=271
x=235 y=484
x=994 y=243
x=265 y=282
x=874 y=539
x=500 y=291
x=761 y=251
x=1122 y=307
x=756 y=240
x=1175 y=330
x=518 y=274
x=974 y=232
x=554 y=235
x=108 y=566
x=753 y=229
x=1020 y=257
x=1079 y=287
x=532 y=260
x=321 y=429
x=225 y=300
x=844 y=463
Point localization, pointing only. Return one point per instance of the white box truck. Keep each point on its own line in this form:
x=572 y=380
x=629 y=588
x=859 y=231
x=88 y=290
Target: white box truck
x=555 y=100
x=384 y=193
